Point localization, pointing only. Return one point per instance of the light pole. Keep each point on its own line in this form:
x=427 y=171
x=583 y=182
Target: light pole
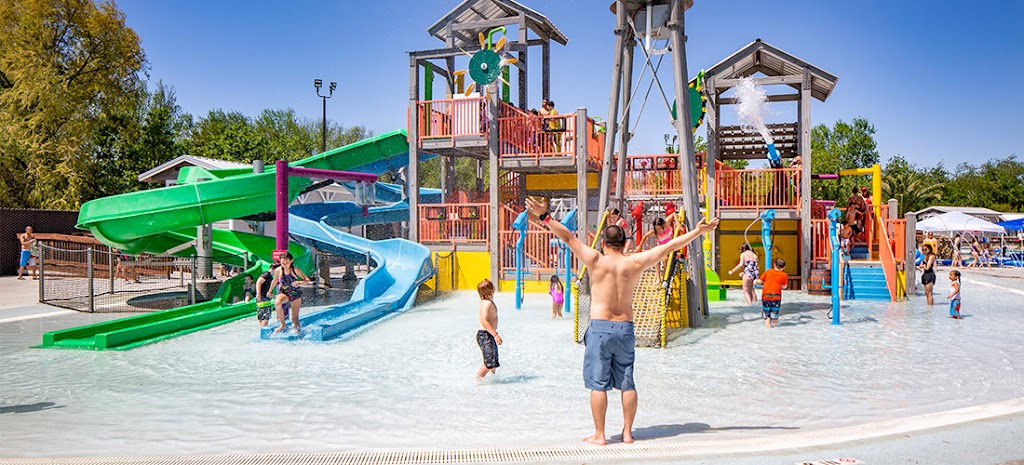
x=323 y=125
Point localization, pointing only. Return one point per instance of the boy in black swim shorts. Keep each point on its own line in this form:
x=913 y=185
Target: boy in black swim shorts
x=264 y=303
x=487 y=337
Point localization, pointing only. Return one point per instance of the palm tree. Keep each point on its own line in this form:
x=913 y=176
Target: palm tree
x=911 y=190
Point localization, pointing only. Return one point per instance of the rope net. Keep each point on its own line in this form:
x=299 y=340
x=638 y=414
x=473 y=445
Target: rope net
x=658 y=303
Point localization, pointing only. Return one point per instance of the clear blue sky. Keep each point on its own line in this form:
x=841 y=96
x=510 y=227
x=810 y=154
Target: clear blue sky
x=939 y=80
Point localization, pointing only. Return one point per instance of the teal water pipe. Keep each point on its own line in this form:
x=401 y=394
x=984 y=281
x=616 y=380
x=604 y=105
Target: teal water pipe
x=569 y=222
x=766 y=236
x=833 y=238
x=522 y=225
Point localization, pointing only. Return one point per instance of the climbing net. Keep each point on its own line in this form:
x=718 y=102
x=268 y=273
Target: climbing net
x=656 y=295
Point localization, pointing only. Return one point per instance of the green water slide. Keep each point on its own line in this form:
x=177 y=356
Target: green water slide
x=155 y=221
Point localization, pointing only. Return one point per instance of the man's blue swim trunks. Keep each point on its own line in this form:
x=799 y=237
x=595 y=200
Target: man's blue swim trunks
x=608 y=360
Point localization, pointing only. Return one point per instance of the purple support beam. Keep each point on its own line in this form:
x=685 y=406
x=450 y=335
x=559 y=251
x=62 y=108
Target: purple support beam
x=282 y=205
x=283 y=171
x=331 y=174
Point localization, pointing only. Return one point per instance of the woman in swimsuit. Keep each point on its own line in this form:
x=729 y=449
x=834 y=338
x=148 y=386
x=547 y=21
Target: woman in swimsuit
x=557 y=292
x=286 y=278
x=928 y=271
x=976 y=254
x=748 y=262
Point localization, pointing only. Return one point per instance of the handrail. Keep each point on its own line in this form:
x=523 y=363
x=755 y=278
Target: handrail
x=451 y=118
x=454 y=222
x=888 y=258
x=820 y=246
x=757 y=188
x=523 y=135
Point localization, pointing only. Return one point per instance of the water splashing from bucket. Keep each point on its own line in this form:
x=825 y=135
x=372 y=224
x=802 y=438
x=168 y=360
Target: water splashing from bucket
x=751 y=110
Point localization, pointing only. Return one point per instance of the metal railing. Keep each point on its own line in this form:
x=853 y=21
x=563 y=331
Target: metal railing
x=451 y=118
x=94 y=280
x=454 y=222
x=757 y=188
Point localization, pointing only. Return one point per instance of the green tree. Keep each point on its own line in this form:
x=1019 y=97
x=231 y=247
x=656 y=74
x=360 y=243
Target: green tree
x=273 y=135
x=911 y=187
x=126 y=143
x=64 y=63
x=843 y=146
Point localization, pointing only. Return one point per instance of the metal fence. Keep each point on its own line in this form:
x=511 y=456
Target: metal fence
x=95 y=278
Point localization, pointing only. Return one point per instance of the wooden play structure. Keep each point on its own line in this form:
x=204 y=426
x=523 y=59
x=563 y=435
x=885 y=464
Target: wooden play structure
x=460 y=110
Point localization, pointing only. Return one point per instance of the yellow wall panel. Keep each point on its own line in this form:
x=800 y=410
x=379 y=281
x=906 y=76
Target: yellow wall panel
x=547 y=182
x=785 y=245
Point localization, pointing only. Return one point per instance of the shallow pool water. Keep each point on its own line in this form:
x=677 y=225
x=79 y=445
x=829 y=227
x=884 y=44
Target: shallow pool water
x=408 y=382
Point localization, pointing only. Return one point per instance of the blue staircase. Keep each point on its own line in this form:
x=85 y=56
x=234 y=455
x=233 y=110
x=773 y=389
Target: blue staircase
x=859 y=251
x=869 y=283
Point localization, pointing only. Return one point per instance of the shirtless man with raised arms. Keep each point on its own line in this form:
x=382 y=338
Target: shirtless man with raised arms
x=608 y=361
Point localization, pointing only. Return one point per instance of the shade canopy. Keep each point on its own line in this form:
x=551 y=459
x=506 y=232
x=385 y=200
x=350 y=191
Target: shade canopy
x=1013 y=225
x=958 y=222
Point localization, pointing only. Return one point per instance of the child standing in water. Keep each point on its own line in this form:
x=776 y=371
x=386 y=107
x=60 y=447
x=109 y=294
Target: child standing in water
x=487 y=337
x=748 y=263
x=557 y=292
x=264 y=302
x=287 y=279
x=772 y=283
x=954 y=294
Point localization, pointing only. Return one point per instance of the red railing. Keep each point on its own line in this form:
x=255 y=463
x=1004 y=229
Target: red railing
x=757 y=188
x=595 y=142
x=524 y=135
x=447 y=119
x=658 y=175
x=821 y=247
x=454 y=222
x=540 y=249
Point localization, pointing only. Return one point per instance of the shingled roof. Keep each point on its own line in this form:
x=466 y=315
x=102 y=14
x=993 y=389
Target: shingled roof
x=471 y=11
x=759 y=56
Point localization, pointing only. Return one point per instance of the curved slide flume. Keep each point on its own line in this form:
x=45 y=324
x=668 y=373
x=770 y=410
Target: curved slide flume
x=158 y=220
x=401 y=267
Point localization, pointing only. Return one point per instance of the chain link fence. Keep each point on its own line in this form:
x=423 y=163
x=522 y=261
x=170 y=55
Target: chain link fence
x=97 y=279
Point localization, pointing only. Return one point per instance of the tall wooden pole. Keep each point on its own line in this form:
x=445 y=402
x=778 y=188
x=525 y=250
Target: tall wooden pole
x=696 y=284
x=412 y=178
x=627 y=89
x=621 y=31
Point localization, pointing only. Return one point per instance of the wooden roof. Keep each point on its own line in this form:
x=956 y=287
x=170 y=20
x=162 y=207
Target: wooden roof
x=761 y=57
x=492 y=11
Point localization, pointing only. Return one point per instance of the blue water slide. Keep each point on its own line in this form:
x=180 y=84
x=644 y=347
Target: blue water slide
x=401 y=267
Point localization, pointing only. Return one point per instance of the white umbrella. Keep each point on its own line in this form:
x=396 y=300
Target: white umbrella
x=958 y=222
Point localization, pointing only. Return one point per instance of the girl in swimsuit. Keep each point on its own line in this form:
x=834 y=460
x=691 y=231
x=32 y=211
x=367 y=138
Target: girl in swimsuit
x=748 y=263
x=659 y=230
x=557 y=292
x=928 y=271
x=286 y=278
